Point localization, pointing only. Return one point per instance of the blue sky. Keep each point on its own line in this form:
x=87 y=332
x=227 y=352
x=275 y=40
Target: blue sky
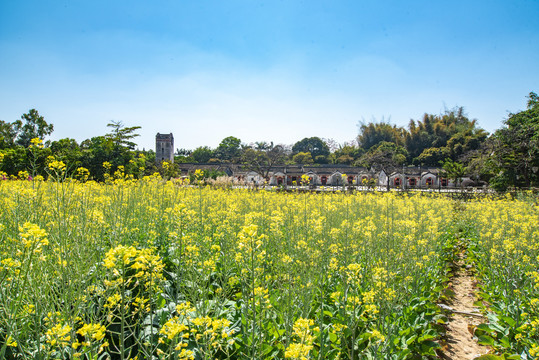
x=263 y=70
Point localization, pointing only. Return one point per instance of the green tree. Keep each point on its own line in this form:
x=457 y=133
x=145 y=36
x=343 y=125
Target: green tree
x=453 y=170
x=68 y=151
x=263 y=157
x=432 y=156
x=229 y=150
x=481 y=165
x=452 y=134
x=313 y=145
x=384 y=156
x=516 y=147
x=34 y=126
x=346 y=154
x=95 y=152
x=122 y=135
x=374 y=133
x=202 y=154
x=8 y=134
x=303 y=158
x=15 y=160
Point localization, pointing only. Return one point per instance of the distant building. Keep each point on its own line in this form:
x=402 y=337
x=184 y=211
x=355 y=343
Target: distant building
x=164 y=148
x=336 y=175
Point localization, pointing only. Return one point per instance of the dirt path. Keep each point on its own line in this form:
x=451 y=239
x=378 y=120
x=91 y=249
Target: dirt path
x=460 y=342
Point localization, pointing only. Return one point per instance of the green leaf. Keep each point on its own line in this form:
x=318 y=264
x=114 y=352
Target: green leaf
x=509 y=320
x=411 y=340
x=485 y=340
x=505 y=342
x=431 y=344
x=484 y=327
x=512 y=357
x=266 y=349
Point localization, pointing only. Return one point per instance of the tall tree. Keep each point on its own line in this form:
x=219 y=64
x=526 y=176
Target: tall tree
x=8 y=134
x=122 y=135
x=450 y=135
x=374 y=133
x=202 y=154
x=229 y=149
x=34 y=126
x=95 y=152
x=516 y=149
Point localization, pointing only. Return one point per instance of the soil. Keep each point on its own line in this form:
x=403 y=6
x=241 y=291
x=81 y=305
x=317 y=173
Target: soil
x=461 y=344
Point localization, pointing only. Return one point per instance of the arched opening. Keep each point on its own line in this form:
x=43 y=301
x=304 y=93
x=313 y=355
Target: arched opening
x=429 y=181
x=444 y=182
x=324 y=180
x=350 y=180
x=412 y=182
x=397 y=181
x=279 y=180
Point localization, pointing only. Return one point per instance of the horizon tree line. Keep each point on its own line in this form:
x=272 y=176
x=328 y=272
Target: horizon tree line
x=509 y=157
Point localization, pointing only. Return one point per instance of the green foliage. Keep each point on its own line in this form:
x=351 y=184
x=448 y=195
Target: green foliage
x=202 y=154
x=313 y=145
x=8 y=133
x=385 y=155
x=229 y=149
x=451 y=134
x=95 y=152
x=374 y=133
x=121 y=135
x=516 y=147
x=303 y=158
x=15 y=160
x=262 y=157
x=432 y=156
x=68 y=151
x=34 y=126
x=346 y=154
x=453 y=170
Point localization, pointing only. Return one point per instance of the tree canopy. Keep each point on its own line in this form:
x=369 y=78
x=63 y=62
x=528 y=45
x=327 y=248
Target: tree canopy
x=262 y=157
x=373 y=133
x=516 y=147
x=313 y=145
x=384 y=156
x=451 y=134
x=229 y=149
x=122 y=135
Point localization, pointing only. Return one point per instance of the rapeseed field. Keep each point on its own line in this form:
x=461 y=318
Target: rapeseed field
x=154 y=269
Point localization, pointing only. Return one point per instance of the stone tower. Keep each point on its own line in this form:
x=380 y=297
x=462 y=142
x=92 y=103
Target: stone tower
x=164 y=148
